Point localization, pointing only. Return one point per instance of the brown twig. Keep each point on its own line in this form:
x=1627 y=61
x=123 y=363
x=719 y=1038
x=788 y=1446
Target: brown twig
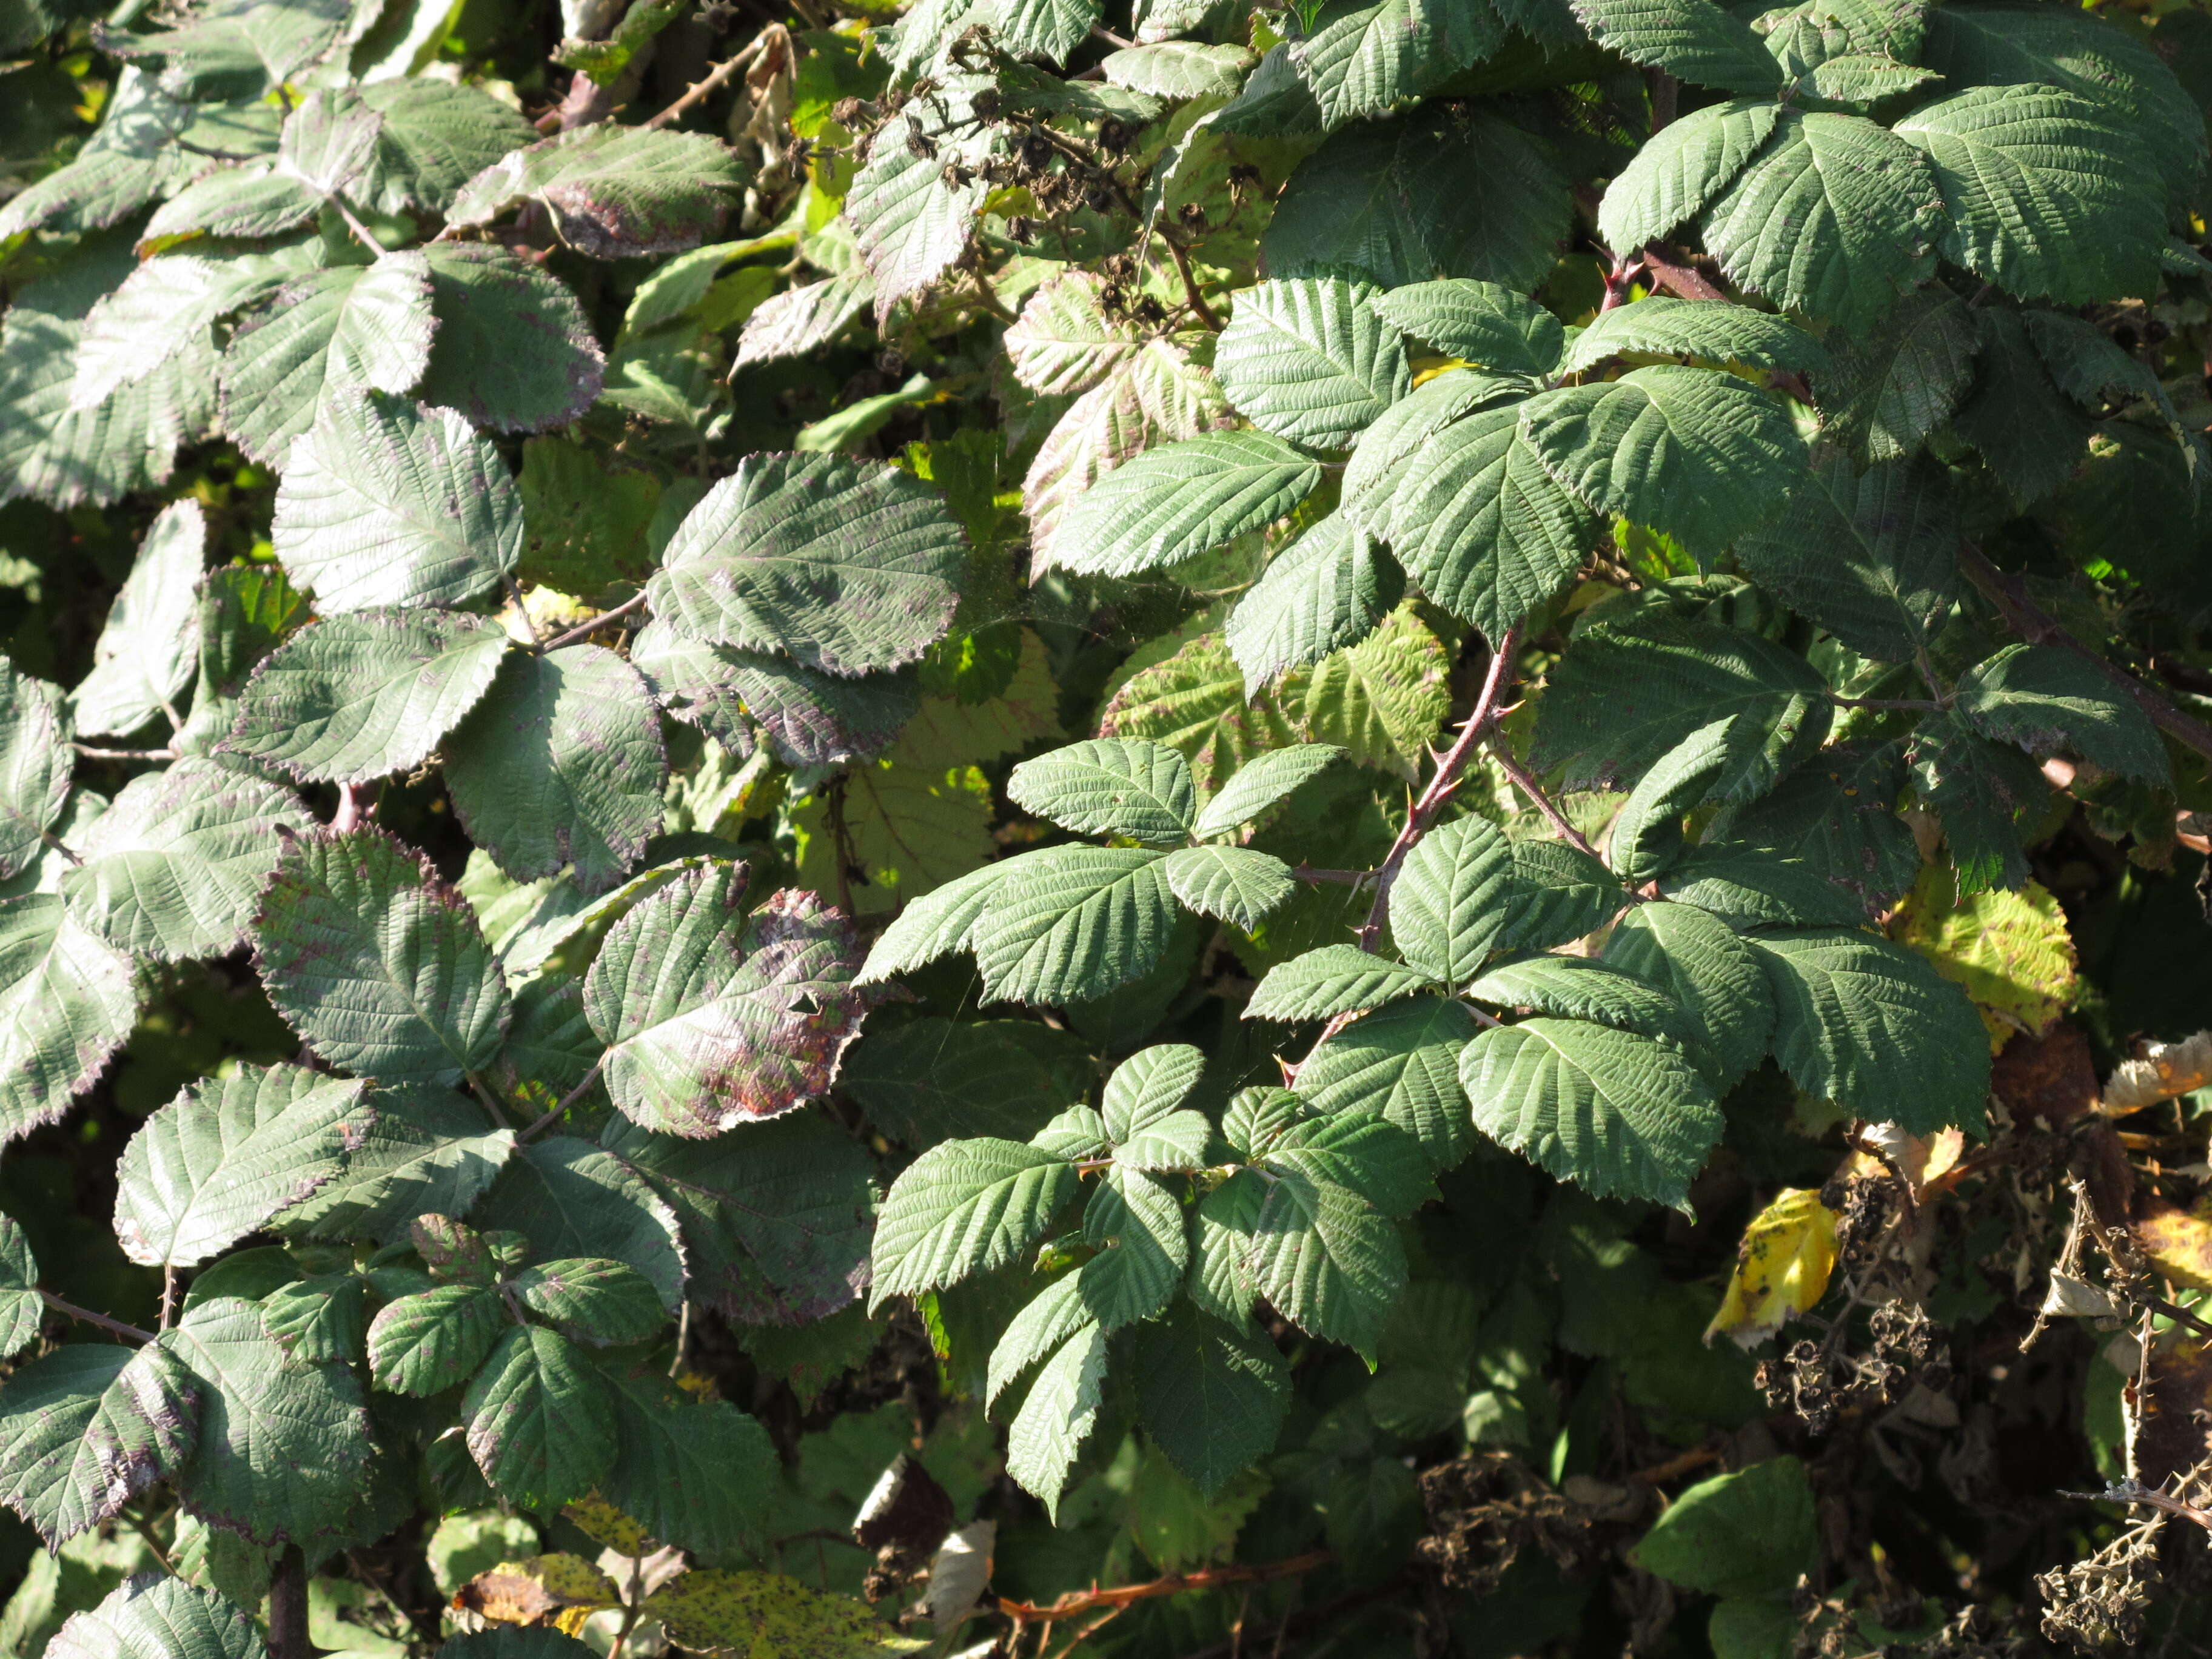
x=1181 y=255
x=2037 y=627
x=584 y=630
x=1525 y=782
x=91 y=1318
x=1676 y=275
x=715 y=79
x=1078 y=1602
x=566 y=1100
x=2134 y=1491
x=89 y=752
x=288 y=1606
x=1445 y=782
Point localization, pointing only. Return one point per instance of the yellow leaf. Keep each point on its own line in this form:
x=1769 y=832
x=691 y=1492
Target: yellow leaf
x=765 y=1615
x=2010 y=950
x=1782 y=1268
x=2179 y=1243
x=603 y=1523
x=556 y=1591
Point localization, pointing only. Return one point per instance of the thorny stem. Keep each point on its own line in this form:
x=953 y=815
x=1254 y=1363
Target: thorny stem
x=1333 y=877
x=584 y=630
x=90 y=752
x=1675 y=274
x=144 y=1527
x=288 y=1607
x=55 y=841
x=1182 y=256
x=716 y=78
x=2037 y=627
x=1078 y=1602
x=168 y=1294
x=91 y=1318
x=565 y=1102
x=361 y=233
x=1525 y=782
x=1445 y=781
x=1923 y=703
x=2134 y=1491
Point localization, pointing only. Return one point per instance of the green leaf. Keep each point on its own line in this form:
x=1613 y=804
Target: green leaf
x=1873 y=1027
x=1149 y=1086
x=1135 y=1223
x=1869 y=556
x=1647 y=836
x=435 y=137
x=88 y=1428
x=1427 y=195
x=1480 y=322
x=910 y=222
x=1559 y=893
x=1064 y=342
x=1071 y=923
x=375 y=962
x=844 y=565
x=1835 y=216
x=1695 y=959
x=1480 y=522
x=1046 y=1321
x=1329 y=1262
x=775 y=1221
x=22 y=1307
x=1233 y=885
x=711 y=1020
x=539 y=1422
x=1891 y=388
x=220 y=1159
x=1308 y=360
x=2045 y=698
x=35 y=763
x=1050 y=29
x=1337 y=979
x=173 y=868
x=602 y=1302
x=160 y=308
x=160 y=1618
x=2031 y=434
x=812 y=719
x=389 y=502
x=570 y=1198
x=245 y=612
x=429 y=1151
x=1751 y=887
x=964 y=1206
x=1837 y=815
x=436 y=1339
x=1362 y=59
x=1575 y=987
x=1213 y=1397
x=930 y=1078
x=934 y=924
x=347 y=328
x=1402 y=1062
x=1683 y=169
x=513 y=352
x=2042 y=193
x=326 y=1317
x=1220 y=1282
x=1180 y=499
x=284 y=1454
x=142 y=660
x=1618 y=1114
x=2016 y=45
x=611 y=191
x=1698 y=454
x=1718 y=333
x=252 y=200
x=1624 y=698
x=1750 y=1533
x=1384 y=700
x=560 y=764
x=68 y=999
x=1255 y=789
x=1179 y=69
x=61 y=456
x=1695 y=39
x=1193 y=701
x=1448 y=901
x=365 y=695
x=1057 y=1415
x=1361 y=1151
x=1110 y=786
x=696 y=1472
